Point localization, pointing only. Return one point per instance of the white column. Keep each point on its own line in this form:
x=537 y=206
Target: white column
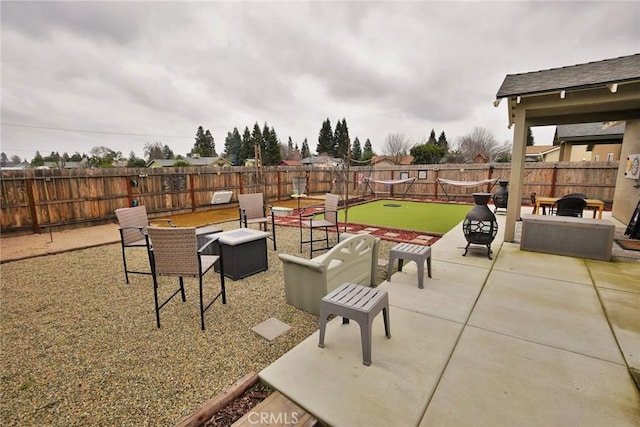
x=517 y=174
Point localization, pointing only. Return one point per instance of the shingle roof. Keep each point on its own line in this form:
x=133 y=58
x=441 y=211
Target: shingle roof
x=589 y=129
x=581 y=76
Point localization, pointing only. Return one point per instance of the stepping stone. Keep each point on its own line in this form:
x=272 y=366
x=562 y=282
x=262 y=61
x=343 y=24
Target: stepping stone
x=271 y=328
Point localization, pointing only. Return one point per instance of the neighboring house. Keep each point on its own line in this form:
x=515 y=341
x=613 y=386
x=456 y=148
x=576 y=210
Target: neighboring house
x=289 y=163
x=479 y=158
x=193 y=161
x=84 y=163
x=390 y=160
x=321 y=161
x=16 y=166
x=542 y=153
x=589 y=141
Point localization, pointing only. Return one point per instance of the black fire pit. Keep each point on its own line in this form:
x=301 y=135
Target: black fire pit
x=501 y=197
x=480 y=226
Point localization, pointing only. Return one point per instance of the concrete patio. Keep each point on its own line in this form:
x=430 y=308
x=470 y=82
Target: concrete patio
x=523 y=339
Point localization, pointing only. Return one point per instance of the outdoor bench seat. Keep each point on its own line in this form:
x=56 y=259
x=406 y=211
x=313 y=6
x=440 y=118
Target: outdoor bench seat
x=307 y=281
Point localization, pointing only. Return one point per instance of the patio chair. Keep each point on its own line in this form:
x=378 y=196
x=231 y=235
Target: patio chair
x=329 y=220
x=133 y=223
x=253 y=210
x=174 y=252
x=569 y=206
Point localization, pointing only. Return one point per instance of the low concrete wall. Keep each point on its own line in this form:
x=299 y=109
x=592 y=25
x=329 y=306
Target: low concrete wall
x=561 y=235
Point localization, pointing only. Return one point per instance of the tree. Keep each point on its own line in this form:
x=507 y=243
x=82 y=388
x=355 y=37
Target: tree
x=37 y=160
x=356 y=150
x=305 y=152
x=76 y=157
x=290 y=151
x=205 y=145
x=233 y=147
x=341 y=141
x=396 y=147
x=442 y=142
x=56 y=158
x=479 y=142
x=246 y=148
x=15 y=159
x=167 y=153
x=367 y=152
x=134 y=162
x=325 y=139
x=3 y=158
x=427 y=154
x=103 y=157
x=432 y=138
x=530 y=140
x=181 y=164
x=502 y=154
x=154 y=151
x=272 y=152
x=257 y=141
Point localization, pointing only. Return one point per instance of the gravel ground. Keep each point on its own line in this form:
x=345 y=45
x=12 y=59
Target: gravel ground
x=80 y=347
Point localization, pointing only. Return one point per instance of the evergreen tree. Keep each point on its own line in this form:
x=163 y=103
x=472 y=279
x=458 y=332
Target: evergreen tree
x=367 y=152
x=442 y=141
x=167 y=153
x=432 y=137
x=246 y=149
x=134 y=162
x=305 y=152
x=233 y=147
x=257 y=139
x=205 y=145
x=37 y=160
x=3 y=158
x=356 y=149
x=530 y=140
x=290 y=148
x=341 y=139
x=325 y=139
x=272 y=153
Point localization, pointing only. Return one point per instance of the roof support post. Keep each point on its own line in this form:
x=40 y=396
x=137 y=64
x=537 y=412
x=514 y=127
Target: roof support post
x=517 y=174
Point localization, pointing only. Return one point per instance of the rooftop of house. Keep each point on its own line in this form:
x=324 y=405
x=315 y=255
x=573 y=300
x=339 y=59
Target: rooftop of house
x=623 y=69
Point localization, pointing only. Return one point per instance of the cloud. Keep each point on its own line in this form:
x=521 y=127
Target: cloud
x=161 y=69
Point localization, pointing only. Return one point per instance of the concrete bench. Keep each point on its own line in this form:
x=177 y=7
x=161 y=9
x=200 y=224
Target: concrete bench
x=563 y=235
x=360 y=303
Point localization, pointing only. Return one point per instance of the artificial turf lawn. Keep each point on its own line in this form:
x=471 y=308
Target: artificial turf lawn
x=419 y=216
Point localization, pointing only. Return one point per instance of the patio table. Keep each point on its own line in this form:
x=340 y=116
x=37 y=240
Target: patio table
x=595 y=204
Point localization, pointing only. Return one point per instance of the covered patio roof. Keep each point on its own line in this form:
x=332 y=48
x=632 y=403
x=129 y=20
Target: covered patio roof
x=602 y=91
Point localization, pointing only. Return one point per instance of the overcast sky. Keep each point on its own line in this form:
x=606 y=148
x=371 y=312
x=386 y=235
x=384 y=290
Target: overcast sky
x=122 y=74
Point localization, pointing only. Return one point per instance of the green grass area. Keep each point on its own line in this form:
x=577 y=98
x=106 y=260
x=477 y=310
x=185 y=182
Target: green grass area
x=419 y=216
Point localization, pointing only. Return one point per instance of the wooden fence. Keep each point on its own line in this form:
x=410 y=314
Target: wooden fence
x=45 y=198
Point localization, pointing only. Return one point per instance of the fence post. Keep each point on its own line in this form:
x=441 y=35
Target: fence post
x=554 y=177
x=129 y=192
x=279 y=179
x=489 y=176
x=435 y=183
x=32 y=206
x=192 y=192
